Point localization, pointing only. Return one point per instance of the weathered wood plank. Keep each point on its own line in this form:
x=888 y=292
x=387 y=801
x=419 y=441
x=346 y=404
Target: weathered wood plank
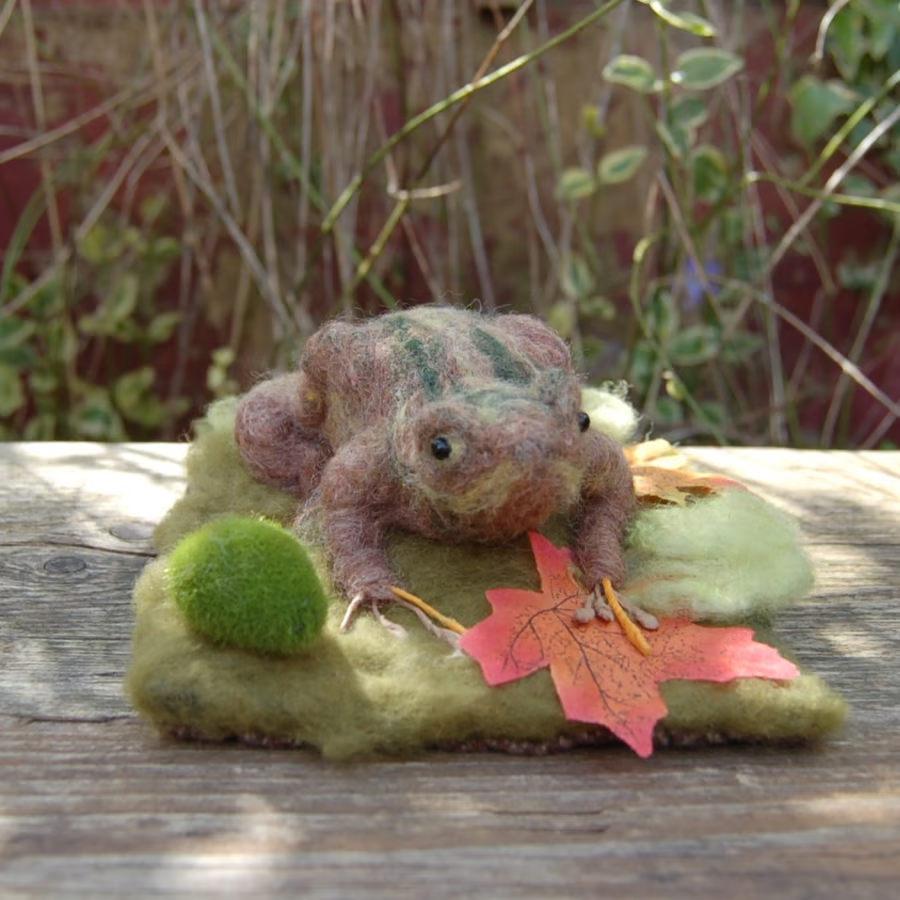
x=180 y=819
x=76 y=522
x=94 y=803
x=848 y=508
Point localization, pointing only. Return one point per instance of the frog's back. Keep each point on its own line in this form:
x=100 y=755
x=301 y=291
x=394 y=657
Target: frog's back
x=368 y=369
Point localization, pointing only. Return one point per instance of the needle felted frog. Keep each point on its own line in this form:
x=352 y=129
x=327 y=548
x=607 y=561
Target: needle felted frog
x=396 y=439
x=443 y=422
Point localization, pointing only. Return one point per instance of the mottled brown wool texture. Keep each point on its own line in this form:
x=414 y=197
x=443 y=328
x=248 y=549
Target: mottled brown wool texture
x=445 y=423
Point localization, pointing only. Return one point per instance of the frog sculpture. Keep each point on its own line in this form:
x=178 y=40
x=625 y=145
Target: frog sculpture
x=447 y=423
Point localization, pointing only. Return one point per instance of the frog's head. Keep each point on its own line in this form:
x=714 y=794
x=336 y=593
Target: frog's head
x=492 y=461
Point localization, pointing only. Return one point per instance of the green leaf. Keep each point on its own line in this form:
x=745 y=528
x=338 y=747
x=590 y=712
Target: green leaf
x=151 y=207
x=675 y=140
x=131 y=388
x=122 y=301
x=695 y=345
x=689 y=112
x=116 y=308
x=856 y=276
x=634 y=72
x=164 y=248
x=162 y=327
x=90 y=325
x=12 y=396
x=43 y=382
x=620 y=165
x=685 y=21
x=882 y=39
x=577 y=280
x=20 y=358
x=14 y=332
x=591 y=119
x=710 y=173
x=575 y=184
x=49 y=302
x=98 y=245
x=134 y=238
x=741 y=346
x=597 y=308
x=62 y=341
x=95 y=418
x=151 y=412
x=219 y=383
x=663 y=317
x=882 y=12
x=815 y=105
x=847 y=42
x=674 y=386
x=562 y=318
x=223 y=356
x=705 y=67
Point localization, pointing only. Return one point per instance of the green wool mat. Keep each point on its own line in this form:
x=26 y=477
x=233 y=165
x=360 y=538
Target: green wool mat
x=726 y=559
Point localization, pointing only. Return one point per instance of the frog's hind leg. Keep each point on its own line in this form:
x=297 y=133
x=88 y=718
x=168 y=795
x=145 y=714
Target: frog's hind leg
x=277 y=432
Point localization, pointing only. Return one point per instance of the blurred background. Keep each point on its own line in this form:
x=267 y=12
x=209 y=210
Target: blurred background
x=702 y=197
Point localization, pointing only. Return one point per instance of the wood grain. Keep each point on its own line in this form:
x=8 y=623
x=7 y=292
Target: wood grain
x=94 y=803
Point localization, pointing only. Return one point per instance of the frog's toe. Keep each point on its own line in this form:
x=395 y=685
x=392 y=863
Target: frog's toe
x=601 y=606
x=371 y=600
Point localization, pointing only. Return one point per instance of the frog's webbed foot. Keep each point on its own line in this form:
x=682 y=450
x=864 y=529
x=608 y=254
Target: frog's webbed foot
x=598 y=605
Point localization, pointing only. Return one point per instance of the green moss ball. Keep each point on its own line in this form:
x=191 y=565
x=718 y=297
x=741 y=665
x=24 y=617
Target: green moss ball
x=248 y=583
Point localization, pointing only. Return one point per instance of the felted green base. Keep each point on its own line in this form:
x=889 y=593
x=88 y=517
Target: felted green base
x=366 y=691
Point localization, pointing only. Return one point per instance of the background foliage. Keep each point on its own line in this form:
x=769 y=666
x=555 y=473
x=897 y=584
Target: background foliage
x=701 y=196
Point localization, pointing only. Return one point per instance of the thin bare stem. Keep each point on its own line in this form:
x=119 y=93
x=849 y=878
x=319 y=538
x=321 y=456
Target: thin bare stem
x=456 y=97
x=66 y=250
x=483 y=69
x=6 y=14
x=862 y=335
x=40 y=116
x=280 y=306
x=212 y=85
x=827 y=18
x=846 y=366
x=400 y=208
x=133 y=95
x=802 y=222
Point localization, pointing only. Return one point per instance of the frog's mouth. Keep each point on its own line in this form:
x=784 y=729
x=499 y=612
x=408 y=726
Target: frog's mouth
x=505 y=502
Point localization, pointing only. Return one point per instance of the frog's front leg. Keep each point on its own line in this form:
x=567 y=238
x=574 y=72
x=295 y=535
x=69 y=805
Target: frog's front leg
x=607 y=505
x=277 y=432
x=358 y=494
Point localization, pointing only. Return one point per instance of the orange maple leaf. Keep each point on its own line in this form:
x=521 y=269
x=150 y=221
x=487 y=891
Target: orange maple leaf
x=599 y=675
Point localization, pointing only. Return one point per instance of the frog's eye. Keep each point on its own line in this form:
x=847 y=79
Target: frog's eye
x=584 y=421
x=441 y=448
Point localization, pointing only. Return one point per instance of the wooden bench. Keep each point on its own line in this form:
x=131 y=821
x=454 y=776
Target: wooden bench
x=94 y=802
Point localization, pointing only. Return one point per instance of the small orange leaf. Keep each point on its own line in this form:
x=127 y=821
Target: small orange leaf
x=661 y=475
x=600 y=676
x=674 y=486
